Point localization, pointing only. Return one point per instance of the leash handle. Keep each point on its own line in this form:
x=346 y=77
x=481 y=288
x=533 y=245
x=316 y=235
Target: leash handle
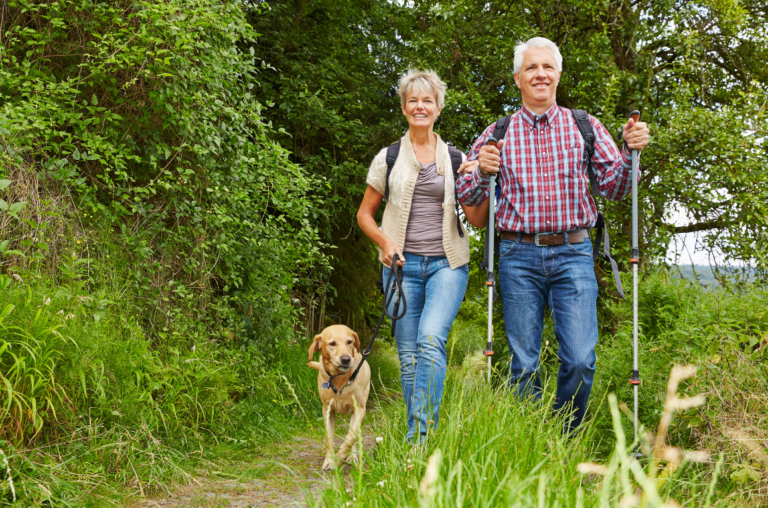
x=396 y=290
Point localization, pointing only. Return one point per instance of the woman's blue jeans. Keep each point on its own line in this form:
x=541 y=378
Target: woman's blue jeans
x=562 y=276
x=433 y=293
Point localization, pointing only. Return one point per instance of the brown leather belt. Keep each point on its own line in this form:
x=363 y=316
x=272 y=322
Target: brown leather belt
x=546 y=239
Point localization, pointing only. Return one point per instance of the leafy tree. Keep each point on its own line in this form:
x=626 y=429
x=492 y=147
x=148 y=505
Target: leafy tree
x=329 y=71
x=142 y=115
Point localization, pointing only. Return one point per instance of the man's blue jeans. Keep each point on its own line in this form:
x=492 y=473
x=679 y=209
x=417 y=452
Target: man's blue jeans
x=562 y=276
x=433 y=292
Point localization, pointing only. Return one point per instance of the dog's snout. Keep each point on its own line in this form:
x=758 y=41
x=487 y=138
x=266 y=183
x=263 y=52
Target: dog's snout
x=345 y=360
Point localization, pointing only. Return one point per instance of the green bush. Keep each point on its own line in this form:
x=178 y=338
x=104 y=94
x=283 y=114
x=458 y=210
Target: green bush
x=58 y=363
x=138 y=119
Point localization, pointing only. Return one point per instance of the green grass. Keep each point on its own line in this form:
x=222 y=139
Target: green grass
x=496 y=451
x=492 y=449
x=100 y=413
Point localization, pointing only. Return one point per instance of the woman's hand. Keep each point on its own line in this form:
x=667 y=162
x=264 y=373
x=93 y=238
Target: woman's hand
x=365 y=218
x=468 y=166
x=390 y=248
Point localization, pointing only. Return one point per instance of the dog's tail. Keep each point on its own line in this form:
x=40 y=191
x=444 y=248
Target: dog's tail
x=314 y=365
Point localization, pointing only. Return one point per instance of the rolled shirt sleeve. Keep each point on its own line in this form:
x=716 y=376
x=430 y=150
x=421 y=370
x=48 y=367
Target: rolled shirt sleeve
x=613 y=167
x=472 y=187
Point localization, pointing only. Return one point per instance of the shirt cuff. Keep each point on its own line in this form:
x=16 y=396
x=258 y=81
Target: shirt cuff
x=626 y=156
x=480 y=179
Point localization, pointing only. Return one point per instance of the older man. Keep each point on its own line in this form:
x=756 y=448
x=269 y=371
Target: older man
x=545 y=191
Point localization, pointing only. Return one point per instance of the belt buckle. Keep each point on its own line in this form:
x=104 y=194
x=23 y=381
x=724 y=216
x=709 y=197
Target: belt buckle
x=536 y=238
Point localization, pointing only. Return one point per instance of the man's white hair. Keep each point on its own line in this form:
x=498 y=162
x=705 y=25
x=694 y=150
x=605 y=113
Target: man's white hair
x=416 y=80
x=537 y=42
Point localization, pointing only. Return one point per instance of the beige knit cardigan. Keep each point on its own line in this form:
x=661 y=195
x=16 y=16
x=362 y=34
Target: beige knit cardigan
x=401 y=184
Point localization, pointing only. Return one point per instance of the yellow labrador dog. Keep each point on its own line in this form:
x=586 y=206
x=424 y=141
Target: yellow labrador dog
x=340 y=355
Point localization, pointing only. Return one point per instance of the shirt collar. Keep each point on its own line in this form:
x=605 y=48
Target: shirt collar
x=547 y=118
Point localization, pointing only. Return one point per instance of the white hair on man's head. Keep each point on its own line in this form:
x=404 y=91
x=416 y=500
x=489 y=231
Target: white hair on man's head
x=417 y=80
x=537 y=42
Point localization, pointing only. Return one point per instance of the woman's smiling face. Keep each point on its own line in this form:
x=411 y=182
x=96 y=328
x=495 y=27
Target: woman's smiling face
x=421 y=109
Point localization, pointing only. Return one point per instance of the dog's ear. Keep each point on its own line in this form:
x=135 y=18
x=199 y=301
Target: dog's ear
x=315 y=346
x=357 y=341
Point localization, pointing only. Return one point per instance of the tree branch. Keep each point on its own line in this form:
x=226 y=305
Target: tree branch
x=700 y=226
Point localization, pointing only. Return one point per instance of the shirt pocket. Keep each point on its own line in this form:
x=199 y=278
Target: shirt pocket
x=572 y=164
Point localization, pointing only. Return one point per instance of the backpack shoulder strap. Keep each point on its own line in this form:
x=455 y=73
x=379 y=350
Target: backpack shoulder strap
x=455 y=165
x=455 y=161
x=500 y=130
x=585 y=129
x=393 y=151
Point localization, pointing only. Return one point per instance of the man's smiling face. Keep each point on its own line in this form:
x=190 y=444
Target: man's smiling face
x=537 y=79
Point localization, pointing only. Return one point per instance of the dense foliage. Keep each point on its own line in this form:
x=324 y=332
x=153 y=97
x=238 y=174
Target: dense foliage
x=137 y=121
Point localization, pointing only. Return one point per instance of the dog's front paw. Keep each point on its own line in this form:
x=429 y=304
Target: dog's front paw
x=353 y=458
x=328 y=464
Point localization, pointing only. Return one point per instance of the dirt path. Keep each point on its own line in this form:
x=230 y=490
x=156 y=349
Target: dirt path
x=283 y=476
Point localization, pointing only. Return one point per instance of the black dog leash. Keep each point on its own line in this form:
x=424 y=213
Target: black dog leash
x=396 y=291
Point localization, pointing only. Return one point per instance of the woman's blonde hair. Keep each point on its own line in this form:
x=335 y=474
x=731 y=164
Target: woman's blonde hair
x=417 y=80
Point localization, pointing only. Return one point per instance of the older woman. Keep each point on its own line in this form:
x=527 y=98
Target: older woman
x=420 y=225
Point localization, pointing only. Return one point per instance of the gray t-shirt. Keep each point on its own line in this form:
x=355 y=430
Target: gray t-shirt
x=424 y=235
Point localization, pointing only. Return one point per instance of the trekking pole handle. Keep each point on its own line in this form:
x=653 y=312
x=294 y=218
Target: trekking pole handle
x=634 y=115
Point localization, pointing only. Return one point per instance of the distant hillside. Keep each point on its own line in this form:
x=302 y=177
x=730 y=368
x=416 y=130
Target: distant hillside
x=702 y=272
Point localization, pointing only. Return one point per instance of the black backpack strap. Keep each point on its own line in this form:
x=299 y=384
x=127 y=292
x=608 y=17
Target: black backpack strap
x=585 y=128
x=393 y=151
x=456 y=164
x=500 y=129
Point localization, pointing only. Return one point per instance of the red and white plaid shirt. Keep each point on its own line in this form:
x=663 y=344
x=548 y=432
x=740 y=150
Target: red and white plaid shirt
x=543 y=177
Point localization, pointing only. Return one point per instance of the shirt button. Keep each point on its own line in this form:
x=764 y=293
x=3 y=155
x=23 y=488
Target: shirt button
x=547 y=222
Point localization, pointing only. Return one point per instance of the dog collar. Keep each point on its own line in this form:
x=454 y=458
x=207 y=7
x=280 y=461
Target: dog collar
x=337 y=391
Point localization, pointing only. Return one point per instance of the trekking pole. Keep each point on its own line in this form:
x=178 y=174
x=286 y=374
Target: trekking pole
x=634 y=260
x=490 y=245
